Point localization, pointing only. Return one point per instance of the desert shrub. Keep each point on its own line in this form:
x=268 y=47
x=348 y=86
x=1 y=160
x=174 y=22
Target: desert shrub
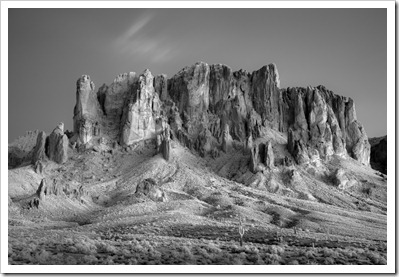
x=212 y=248
x=327 y=252
x=86 y=247
x=71 y=249
x=89 y=259
x=202 y=252
x=103 y=247
x=132 y=261
x=293 y=262
x=156 y=255
x=310 y=254
x=70 y=260
x=187 y=252
x=375 y=258
x=348 y=252
x=251 y=249
x=253 y=258
x=368 y=191
x=109 y=260
x=329 y=261
x=68 y=241
x=276 y=249
x=236 y=249
x=42 y=256
x=272 y=259
x=237 y=261
x=360 y=251
x=26 y=255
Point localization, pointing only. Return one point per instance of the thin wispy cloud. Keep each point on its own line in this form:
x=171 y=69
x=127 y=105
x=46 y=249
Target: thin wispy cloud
x=136 y=42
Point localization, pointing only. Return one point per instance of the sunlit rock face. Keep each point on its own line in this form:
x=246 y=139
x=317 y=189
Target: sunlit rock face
x=210 y=107
x=141 y=113
x=325 y=122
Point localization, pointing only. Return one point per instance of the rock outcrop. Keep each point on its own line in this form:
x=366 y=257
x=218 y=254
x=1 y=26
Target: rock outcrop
x=20 y=151
x=141 y=115
x=55 y=188
x=262 y=157
x=116 y=94
x=42 y=189
x=208 y=107
x=325 y=122
x=38 y=167
x=269 y=155
x=57 y=146
x=149 y=188
x=16 y=156
x=165 y=146
x=189 y=89
x=39 y=152
x=87 y=110
x=342 y=180
x=161 y=86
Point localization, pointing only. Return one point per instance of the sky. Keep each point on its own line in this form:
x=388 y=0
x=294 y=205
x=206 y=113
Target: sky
x=49 y=49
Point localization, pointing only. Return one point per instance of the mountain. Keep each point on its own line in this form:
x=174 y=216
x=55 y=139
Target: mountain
x=156 y=165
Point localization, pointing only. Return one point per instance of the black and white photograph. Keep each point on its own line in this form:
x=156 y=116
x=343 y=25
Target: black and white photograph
x=170 y=137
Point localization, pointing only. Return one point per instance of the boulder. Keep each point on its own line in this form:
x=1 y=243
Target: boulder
x=342 y=180
x=149 y=188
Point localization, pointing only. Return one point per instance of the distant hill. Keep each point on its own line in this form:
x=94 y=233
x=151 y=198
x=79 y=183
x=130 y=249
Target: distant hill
x=378 y=155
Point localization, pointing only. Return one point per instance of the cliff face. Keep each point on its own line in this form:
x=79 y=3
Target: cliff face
x=87 y=112
x=141 y=113
x=207 y=107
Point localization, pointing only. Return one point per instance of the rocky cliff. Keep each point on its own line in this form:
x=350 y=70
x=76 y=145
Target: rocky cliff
x=208 y=107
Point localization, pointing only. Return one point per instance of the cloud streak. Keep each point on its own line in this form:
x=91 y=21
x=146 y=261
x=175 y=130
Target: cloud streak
x=136 y=42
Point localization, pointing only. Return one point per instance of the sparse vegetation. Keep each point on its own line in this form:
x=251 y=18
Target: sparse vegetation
x=198 y=224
